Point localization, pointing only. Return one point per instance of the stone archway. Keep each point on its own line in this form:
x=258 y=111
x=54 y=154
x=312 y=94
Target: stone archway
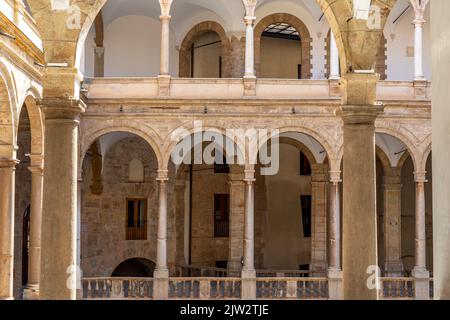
x=197 y=31
x=305 y=39
x=136 y=267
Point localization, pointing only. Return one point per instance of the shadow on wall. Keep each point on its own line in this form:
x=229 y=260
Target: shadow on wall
x=136 y=268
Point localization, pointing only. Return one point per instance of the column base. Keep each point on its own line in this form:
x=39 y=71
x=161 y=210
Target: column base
x=161 y=284
x=31 y=292
x=335 y=284
x=248 y=286
x=421 y=283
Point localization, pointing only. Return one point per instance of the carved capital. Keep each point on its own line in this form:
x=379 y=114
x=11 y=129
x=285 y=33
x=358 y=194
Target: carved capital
x=163 y=176
x=61 y=108
x=360 y=114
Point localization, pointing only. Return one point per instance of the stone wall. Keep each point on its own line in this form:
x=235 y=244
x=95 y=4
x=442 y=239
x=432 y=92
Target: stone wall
x=103 y=217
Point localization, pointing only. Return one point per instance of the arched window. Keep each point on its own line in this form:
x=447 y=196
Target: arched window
x=136 y=171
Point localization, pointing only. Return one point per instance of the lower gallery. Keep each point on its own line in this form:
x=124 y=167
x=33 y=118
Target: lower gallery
x=171 y=150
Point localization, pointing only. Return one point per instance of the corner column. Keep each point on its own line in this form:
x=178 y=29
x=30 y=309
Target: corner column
x=248 y=270
x=334 y=225
x=31 y=290
x=237 y=208
x=7 y=193
x=392 y=230
x=161 y=273
x=319 y=220
x=58 y=280
x=359 y=247
x=420 y=272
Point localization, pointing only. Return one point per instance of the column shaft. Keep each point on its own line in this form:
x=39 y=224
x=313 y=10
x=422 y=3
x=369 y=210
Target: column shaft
x=420 y=249
x=34 y=261
x=393 y=264
x=237 y=214
x=59 y=219
x=418 y=50
x=249 y=47
x=335 y=227
x=165 y=42
x=7 y=192
x=249 y=245
x=359 y=249
x=161 y=260
x=334 y=58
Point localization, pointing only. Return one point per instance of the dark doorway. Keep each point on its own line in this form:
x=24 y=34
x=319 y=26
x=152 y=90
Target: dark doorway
x=135 y=268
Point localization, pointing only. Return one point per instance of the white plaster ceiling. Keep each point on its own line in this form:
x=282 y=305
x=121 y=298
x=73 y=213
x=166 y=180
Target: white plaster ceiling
x=392 y=147
x=312 y=144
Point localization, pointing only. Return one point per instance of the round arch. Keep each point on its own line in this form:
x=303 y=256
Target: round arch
x=322 y=140
x=387 y=168
x=405 y=140
x=7 y=114
x=90 y=137
x=426 y=156
x=135 y=267
x=192 y=35
x=305 y=40
x=36 y=123
x=171 y=144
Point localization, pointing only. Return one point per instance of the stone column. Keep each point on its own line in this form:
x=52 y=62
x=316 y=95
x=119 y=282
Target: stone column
x=319 y=220
x=59 y=207
x=164 y=74
x=420 y=272
x=248 y=270
x=392 y=230
x=165 y=42
x=237 y=205
x=249 y=47
x=99 y=62
x=31 y=291
x=440 y=24
x=7 y=192
x=359 y=245
x=161 y=274
x=334 y=59
x=418 y=49
x=334 y=226
x=249 y=75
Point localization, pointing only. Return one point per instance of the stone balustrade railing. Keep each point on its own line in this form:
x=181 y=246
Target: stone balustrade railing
x=110 y=89
x=204 y=288
x=397 y=288
x=116 y=288
x=230 y=288
x=292 y=288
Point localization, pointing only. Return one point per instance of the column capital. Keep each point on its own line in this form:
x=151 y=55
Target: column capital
x=392 y=179
x=8 y=163
x=418 y=22
x=165 y=17
x=360 y=114
x=335 y=176
x=249 y=20
x=249 y=176
x=420 y=177
x=61 y=108
x=163 y=175
x=36 y=170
